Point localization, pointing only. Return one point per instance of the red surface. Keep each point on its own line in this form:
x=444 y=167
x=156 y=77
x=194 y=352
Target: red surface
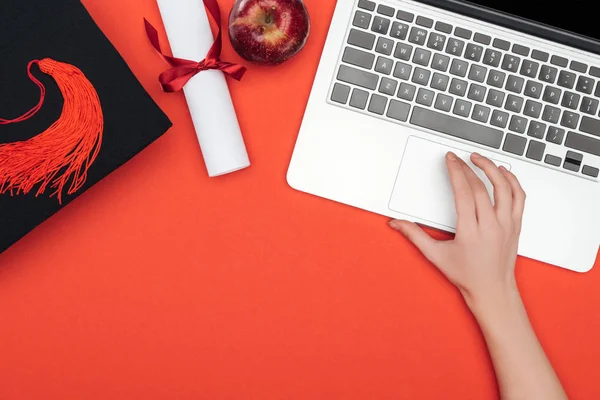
x=160 y=283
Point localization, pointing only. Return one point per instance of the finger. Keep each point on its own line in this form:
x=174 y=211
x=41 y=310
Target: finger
x=422 y=241
x=463 y=195
x=502 y=189
x=483 y=204
x=518 y=193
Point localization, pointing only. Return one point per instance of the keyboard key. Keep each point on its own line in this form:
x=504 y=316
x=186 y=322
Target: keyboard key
x=532 y=109
x=362 y=19
x=590 y=171
x=499 y=119
x=436 y=41
x=399 y=30
x=590 y=125
x=398 y=110
x=518 y=124
x=361 y=39
x=533 y=89
x=540 y=55
x=552 y=94
x=551 y=114
x=384 y=46
x=481 y=38
x=555 y=135
x=521 y=50
x=495 y=98
x=570 y=100
x=455 y=47
x=573 y=161
x=481 y=113
x=357 y=77
x=384 y=65
x=501 y=44
x=422 y=57
x=439 y=82
x=536 y=130
x=386 y=10
x=359 y=99
x=457 y=127
x=583 y=143
x=405 y=16
x=552 y=160
x=462 y=33
x=443 y=102
x=578 y=66
x=403 y=51
x=496 y=78
x=458 y=87
x=425 y=96
x=473 y=52
x=560 y=61
x=402 y=71
x=424 y=21
x=340 y=93
x=417 y=36
x=595 y=71
x=407 y=91
x=514 y=103
x=458 y=68
x=515 y=84
x=377 y=104
x=421 y=76
x=462 y=108
x=589 y=105
x=529 y=68
x=535 y=151
x=514 y=144
x=477 y=73
x=510 y=63
x=388 y=86
x=585 y=84
x=366 y=4
x=569 y=120
x=380 y=25
x=440 y=62
x=566 y=79
x=443 y=27
x=477 y=92
x=548 y=74
x=492 y=57
x=358 y=57
x=597 y=92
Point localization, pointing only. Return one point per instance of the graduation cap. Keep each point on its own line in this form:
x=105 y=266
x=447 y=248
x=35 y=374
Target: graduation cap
x=71 y=111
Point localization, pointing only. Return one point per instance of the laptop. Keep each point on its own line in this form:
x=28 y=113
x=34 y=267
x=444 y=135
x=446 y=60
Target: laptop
x=402 y=82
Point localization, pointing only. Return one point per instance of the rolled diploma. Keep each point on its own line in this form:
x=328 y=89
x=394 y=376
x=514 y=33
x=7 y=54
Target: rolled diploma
x=207 y=94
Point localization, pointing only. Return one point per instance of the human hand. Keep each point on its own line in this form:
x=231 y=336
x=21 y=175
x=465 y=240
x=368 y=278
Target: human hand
x=480 y=261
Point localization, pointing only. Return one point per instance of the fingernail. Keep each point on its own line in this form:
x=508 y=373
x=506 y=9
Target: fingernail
x=476 y=155
x=503 y=169
x=394 y=224
x=451 y=156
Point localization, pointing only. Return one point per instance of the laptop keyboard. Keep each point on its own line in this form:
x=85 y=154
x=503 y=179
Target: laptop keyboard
x=511 y=98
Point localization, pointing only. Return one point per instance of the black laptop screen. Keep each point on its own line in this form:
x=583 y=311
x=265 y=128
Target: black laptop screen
x=573 y=15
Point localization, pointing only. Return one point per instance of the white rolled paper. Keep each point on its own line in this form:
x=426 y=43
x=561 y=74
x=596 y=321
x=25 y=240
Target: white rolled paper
x=207 y=94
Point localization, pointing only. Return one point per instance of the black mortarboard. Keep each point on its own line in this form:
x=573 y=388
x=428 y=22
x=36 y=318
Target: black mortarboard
x=63 y=31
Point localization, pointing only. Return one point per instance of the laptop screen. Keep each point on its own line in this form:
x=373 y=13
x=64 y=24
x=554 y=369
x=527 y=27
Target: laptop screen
x=576 y=16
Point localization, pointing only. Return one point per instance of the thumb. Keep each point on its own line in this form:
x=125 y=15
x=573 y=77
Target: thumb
x=416 y=236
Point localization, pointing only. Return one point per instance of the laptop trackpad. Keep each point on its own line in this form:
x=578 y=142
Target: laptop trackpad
x=423 y=188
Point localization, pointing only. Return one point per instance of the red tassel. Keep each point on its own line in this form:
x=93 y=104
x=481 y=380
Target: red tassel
x=65 y=151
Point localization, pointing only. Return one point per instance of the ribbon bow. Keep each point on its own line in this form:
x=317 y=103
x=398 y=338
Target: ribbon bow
x=173 y=79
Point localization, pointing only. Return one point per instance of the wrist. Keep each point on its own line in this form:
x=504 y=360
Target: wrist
x=493 y=300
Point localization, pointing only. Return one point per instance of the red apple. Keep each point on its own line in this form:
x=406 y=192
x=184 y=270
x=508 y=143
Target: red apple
x=268 y=31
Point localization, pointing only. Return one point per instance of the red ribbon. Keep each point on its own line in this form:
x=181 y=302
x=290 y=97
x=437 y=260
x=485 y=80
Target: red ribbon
x=173 y=80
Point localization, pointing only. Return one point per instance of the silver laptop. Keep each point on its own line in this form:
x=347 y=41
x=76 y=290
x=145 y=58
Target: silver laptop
x=402 y=82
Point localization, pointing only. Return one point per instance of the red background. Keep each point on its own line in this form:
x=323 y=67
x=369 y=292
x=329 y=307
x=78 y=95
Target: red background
x=160 y=283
